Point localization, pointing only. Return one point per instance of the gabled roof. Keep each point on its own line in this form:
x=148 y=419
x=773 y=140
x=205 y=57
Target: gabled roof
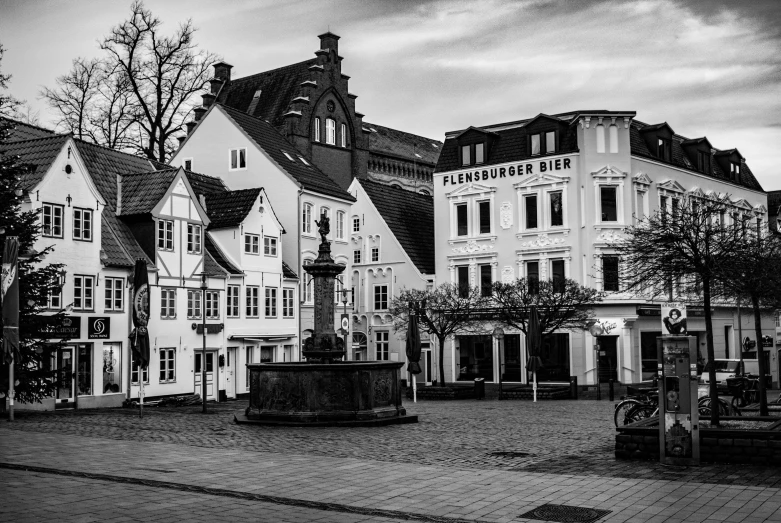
x=26 y=131
x=275 y=145
x=117 y=242
x=410 y=217
x=287 y=272
x=143 y=191
x=228 y=209
x=387 y=141
x=216 y=256
x=38 y=154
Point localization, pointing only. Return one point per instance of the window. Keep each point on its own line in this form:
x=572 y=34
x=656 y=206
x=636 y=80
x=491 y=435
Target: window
x=380 y=297
x=608 y=203
x=357 y=256
x=610 y=273
x=269 y=246
x=114 y=293
x=479 y=153
x=134 y=371
x=212 y=304
x=663 y=209
x=232 y=301
x=288 y=295
x=356 y=224
x=557 y=270
x=193 y=304
x=703 y=162
x=316 y=132
x=168 y=303
x=271 y=302
x=535 y=144
x=530 y=205
x=52 y=220
x=188 y=164
x=381 y=339
x=340 y=225
x=238 y=159
x=676 y=203
x=83 y=293
x=165 y=235
x=533 y=276
x=251 y=244
x=375 y=254
x=250 y=351
x=167 y=365
x=54 y=299
x=663 y=149
x=550 y=142
x=484 y=212
x=462 y=273
x=486 y=281
x=252 y=306
x=462 y=221
x=556 y=209
x=330 y=131
x=307 y=282
x=466 y=158
x=306 y=219
x=734 y=171
x=82 y=224
x=344 y=135
x=193 y=238
x=112 y=366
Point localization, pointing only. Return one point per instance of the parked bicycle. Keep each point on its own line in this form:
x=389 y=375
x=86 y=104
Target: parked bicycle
x=647 y=398
x=744 y=390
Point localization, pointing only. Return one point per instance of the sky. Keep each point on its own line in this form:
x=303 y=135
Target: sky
x=706 y=67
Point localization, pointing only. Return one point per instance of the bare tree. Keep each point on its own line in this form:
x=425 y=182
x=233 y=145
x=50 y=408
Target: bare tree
x=685 y=248
x=562 y=304
x=9 y=106
x=75 y=97
x=443 y=311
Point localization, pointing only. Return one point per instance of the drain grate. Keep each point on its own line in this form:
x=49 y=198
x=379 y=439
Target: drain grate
x=510 y=454
x=565 y=514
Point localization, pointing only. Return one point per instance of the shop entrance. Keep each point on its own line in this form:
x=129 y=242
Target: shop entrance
x=512 y=357
x=65 y=365
x=425 y=364
x=476 y=358
x=608 y=358
x=230 y=375
x=210 y=389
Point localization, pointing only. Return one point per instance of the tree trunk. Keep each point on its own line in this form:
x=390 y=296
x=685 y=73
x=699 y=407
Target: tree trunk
x=760 y=357
x=441 y=360
x=714 y=394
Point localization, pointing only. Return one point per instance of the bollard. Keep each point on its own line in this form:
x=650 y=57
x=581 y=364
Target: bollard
x=573 y=387
x=610 y=390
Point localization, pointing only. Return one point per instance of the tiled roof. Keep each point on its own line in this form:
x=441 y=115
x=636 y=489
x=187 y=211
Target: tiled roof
x=278 y=88
x=275 y=145
x=143 y=191
x=410 y=217
x=216 y=261
x=387 y=141
x=287 y=272
x=26 y=131
x=205 y=185
x=228 y=209
x=38 y=154
x=118 y=243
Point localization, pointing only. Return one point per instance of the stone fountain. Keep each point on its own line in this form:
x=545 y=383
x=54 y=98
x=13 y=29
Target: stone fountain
x=324 y=390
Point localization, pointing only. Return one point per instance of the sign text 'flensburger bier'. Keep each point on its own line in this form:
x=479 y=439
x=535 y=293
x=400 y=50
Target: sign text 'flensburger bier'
x=521 y=169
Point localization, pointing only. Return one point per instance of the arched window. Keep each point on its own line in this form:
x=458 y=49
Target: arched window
x=330 y=131
x=344 y=135
x=316 y=134
x=306 y=218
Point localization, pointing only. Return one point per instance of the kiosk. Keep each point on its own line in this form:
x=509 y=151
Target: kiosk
x=679 y=435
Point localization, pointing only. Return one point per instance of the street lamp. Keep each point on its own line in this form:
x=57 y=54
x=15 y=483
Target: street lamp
x=596 y=330
x=498 y=335
x=204 y=286
x=345 y=324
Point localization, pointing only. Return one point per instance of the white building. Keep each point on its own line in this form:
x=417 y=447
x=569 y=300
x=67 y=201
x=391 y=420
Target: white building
x=547 y=197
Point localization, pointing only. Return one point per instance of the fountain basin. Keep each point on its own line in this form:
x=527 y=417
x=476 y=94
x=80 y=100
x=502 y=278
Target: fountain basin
x=316 y=394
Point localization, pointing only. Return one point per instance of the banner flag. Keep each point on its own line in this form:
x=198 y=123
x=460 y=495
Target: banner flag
x=9 y=298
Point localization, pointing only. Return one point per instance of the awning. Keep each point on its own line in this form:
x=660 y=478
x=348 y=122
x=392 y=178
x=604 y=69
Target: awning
x=261 y=337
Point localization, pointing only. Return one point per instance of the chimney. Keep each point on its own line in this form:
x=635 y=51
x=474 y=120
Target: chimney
x=190 y=126
x=208 y=99
x=199 y=112
x=222 y=71
x=329 y=41
x=119 y=194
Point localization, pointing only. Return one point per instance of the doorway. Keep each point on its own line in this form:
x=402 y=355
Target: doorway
x=65 y=365
x=608 y=358
x=425 y=364
x=210 y=388
x=230 y=374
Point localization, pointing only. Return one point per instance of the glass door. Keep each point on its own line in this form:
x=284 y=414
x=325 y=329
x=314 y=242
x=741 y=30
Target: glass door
x=425 y=366
x=209 y=374
x=65 y=375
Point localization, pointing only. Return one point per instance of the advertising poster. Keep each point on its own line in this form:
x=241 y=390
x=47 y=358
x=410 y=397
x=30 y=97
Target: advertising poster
x=674 y=319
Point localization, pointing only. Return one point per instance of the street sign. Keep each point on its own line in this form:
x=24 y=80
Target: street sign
x=346 y=323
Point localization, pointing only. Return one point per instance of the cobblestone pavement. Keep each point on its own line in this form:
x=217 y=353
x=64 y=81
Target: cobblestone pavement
x=560 y=437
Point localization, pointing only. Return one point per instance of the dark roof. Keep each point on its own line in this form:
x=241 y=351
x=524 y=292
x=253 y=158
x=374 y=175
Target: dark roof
x=278 y=88
x=26 y=131
x=143 y=191
x=218 y=258
x=117 y=242
x=38 y=154
x=410 y=217
x=275 y=145
x=387 y=141
x=205 y=185
x=773 y=202
x=228 y=209
x=287 y=272
x=678 y=158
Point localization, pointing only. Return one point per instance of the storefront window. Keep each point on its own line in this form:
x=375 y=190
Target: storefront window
x=554 y=354
x=512 y=357
x=85 y=370
x=112 y=370
x=476 y=358
x=267 y=354
x=648 y=354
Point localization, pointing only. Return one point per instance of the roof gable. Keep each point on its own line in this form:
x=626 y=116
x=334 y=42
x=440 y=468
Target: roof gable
x=230 y=208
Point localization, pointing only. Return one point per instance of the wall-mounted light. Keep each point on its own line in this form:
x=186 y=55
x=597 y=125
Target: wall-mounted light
x=69 y=200
x=18 y=192
x=62 y=274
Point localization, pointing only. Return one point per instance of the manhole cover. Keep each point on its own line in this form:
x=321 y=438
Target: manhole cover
x=510 y=454
x=565 y=514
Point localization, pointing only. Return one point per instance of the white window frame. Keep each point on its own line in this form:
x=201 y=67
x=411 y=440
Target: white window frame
x=476 y=214
x=54 y=299
x=317 y=130
x=194 y=305
x=288 y=303
x=212 y=305
x=113 y=294
x=356 y=225
x=239 y=166
x=52 y=210
x=307 y=211
x=469 y=225
x=330 y=131
x=270 y=246
x=232 y=301
x=167 y=365
x=194 y=238
x=83 y=292
x=382 y=345
x=340 y=222
x=134 y=369
x=375 y=250
x=169 y=295
x=344 y=135
x=549 y=208
x=609 y=177
x=540 y=224
x=378 y=287
x=307 y=282
x=80 y=217
x=165 y=235
x=357 y=256
x=252 y=303
x=270 y=302
x=253 y=244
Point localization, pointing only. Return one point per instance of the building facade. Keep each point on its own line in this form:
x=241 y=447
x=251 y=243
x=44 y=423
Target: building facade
x=548 y=197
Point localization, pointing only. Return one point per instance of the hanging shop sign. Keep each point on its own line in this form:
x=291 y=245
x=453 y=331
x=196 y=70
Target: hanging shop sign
x=649 y=311
x=674 y=319
x=67 y=327
x=211 y=328
x=604 y=327
x=98 y=327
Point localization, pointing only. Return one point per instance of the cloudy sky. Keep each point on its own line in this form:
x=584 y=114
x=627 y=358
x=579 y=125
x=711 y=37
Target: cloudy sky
x=708 y=67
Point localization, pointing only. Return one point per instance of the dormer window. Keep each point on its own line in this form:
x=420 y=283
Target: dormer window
x=473 y=154
x=734 y=171
x=466 y=155
x=479 y=153
x=663 y=148
x=703 y=161
x=330 y=131
x=543 y=143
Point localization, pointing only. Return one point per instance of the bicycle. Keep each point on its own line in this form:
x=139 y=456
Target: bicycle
x=744 y=390
x=643 y=411
x=634 y=398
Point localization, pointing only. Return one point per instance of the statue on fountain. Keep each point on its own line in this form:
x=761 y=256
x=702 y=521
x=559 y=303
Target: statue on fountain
x=323 y=227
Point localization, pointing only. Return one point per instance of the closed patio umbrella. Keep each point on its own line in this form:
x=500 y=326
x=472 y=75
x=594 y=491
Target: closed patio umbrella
x=533 y=345
x=413 y=349
x=139 y=337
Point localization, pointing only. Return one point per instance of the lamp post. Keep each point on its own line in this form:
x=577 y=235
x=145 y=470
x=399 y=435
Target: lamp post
x=345 y=324
x=204 y=286
x=498 y=335
x=596 y=331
